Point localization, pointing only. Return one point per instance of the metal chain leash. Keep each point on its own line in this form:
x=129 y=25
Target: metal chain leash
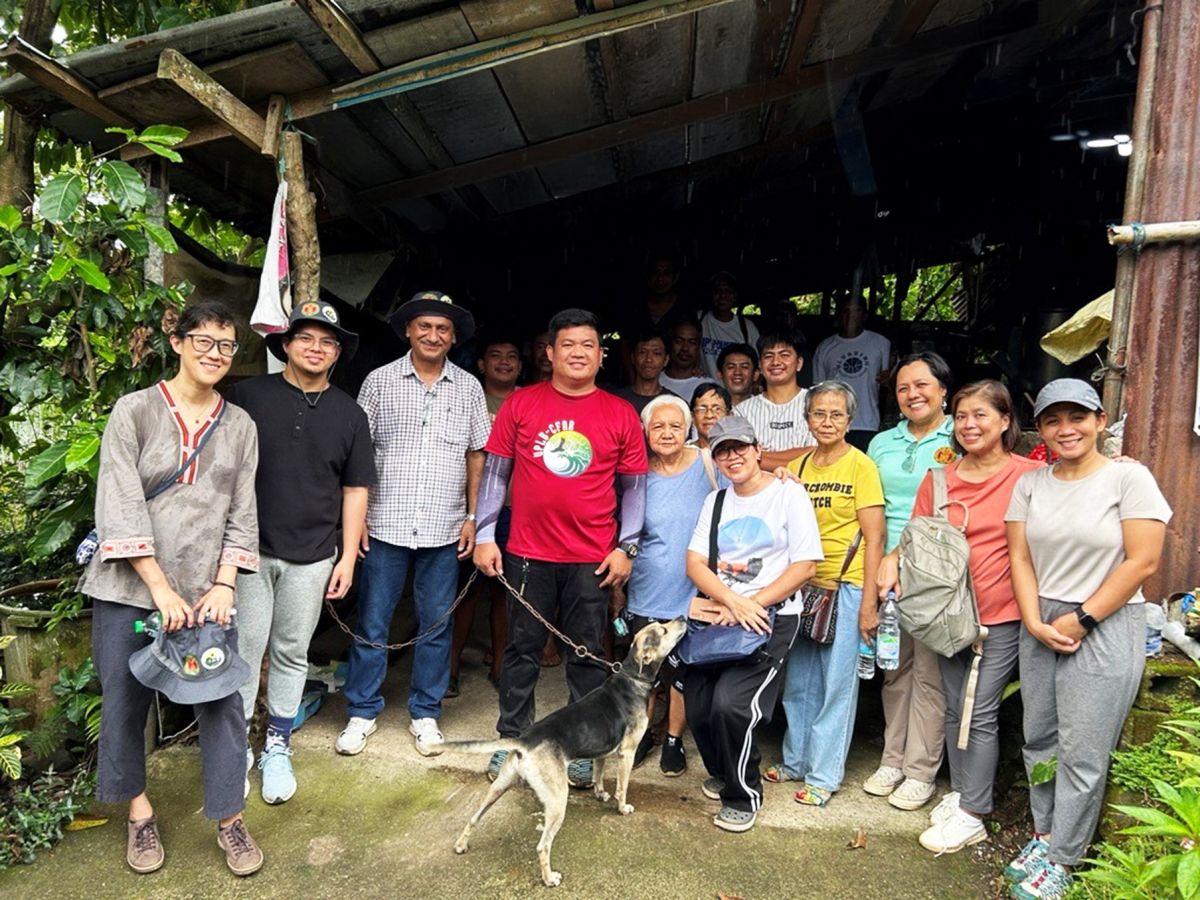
x=580 y=650
x=359 y=639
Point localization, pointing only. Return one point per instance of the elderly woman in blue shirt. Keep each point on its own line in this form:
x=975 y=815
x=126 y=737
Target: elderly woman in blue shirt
x=659 y=588
x=914 y=708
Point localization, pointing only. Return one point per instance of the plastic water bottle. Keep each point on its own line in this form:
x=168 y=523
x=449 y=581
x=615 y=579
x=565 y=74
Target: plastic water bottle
x=866 y=659
x=149 y=626
x=887 y=650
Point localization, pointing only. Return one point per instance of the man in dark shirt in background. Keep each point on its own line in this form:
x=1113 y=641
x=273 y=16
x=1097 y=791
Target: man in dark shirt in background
x=315 y=465
x=649 y=361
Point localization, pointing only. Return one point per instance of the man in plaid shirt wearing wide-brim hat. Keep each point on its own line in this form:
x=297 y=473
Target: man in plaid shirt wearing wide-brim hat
x=429 y=424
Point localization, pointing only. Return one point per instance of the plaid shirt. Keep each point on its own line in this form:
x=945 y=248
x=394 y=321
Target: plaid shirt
x=421 y=438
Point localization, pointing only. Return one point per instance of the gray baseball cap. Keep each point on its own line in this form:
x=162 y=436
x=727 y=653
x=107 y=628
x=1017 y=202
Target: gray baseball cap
x=1067 y=390
x=192 y=665
x=731 y=429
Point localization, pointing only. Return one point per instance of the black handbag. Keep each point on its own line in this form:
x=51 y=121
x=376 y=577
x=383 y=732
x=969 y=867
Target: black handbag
x=706 y=644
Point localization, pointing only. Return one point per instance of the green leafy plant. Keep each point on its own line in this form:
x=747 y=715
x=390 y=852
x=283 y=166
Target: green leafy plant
x=1170 y=828
x=74 y=719
x=32 y=816
x=10 y=737
x=82 y=326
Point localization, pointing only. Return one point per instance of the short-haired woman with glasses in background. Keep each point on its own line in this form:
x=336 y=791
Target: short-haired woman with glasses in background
x=914 y=709
x=710 y=401
x=177 y=553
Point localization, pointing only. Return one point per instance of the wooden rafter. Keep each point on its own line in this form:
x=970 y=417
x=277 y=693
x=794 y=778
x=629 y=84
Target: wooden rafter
x=243 y=122
x=48 y=72
x=933 y=45
x=488 y=54
x=803 y=32
x=340 y=29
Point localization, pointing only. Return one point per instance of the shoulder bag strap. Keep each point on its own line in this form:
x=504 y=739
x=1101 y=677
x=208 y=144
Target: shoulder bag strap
x=942 y=501
x=706 y=458
x=712 y=530
x=853 y=549
x=742 y=324
x=191 y=458
x=803 y=463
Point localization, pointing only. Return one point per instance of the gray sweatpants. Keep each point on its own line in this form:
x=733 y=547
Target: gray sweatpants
x=278 y=609
x=973 y=771
x=1075 y=706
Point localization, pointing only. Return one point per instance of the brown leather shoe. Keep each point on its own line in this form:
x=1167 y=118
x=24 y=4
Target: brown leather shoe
x=241 y=853
x=144 y=851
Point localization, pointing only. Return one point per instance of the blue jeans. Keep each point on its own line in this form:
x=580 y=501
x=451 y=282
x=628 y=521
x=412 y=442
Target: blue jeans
x=381 y=582
x=820 y=698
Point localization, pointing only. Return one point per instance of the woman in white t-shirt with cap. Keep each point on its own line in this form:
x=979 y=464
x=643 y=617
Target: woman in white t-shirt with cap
x=1083 y=641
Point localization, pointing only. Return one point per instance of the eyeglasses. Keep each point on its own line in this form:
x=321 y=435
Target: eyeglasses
x=910 y=459
x=725 y=450
x=202 y=343
x=306 y=340
x=710 y=410
x=836 y=417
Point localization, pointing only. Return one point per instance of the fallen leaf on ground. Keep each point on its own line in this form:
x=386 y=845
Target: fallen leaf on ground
x=83 y=821
x=859 y=842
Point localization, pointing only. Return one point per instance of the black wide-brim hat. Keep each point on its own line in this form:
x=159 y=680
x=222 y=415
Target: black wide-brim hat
x=321 y=313
x=433 y=303
x=192 y=665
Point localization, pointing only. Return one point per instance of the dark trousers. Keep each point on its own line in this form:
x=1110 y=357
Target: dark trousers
x=122 y=753
x=725 y=704
x=568 y=595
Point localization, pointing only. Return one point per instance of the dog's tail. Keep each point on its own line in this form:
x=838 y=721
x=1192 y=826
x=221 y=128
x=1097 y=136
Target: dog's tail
x=510 y=744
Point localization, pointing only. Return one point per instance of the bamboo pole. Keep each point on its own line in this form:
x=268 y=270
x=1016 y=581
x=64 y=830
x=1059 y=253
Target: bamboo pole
x=1158 y=233
x=1135 y=188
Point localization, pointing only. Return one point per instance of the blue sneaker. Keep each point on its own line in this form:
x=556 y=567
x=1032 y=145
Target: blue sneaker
x=1050 y=882
x=494 y=764
x=1028 y=861
x=278 y=780
x=579 y=773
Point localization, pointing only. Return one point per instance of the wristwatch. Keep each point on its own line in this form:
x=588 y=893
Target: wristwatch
x=1086 y=619
x=630 y=549
x=470 y=517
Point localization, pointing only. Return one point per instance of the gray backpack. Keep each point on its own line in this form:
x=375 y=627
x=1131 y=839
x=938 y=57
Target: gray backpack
x=937 y=603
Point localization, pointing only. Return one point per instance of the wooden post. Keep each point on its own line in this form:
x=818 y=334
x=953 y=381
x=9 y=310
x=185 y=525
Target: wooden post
x=301 y=222
x=154 y=171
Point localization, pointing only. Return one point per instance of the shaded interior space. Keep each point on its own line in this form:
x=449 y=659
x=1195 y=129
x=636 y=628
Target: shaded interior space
x=524 y=156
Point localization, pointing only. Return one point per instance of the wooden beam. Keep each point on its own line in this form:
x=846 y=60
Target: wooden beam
x=244 y=123
x=488 y=54
x=48 y=72
x=943 y=41
x=301 y=222
x=340 y=28
x=803 y=31
x=276 y=107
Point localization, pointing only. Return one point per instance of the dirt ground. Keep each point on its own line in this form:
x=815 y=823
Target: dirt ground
x=384 y=823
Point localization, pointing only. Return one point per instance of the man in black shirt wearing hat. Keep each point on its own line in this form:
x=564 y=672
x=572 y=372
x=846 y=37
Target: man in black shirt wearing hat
x=315 y=464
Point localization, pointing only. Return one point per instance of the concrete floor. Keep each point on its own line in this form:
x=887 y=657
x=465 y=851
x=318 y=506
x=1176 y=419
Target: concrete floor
x=384 y=823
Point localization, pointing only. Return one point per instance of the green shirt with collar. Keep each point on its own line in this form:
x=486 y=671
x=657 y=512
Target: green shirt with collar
x=903 y=461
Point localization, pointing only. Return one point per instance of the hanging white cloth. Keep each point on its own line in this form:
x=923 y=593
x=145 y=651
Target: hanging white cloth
x=275 y=284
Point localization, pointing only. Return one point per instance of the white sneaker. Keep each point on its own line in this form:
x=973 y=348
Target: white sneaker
x=353 y=739
x=249 y=766
x=953 y=833
x=947 y=807
x=883 y=781
x=912 y=794
x=429 y=740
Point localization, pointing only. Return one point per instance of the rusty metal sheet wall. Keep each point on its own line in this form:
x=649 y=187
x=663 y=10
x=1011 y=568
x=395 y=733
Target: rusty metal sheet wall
x=1161 y=386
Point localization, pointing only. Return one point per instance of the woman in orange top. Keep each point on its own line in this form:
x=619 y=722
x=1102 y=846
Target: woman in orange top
x=985 y=432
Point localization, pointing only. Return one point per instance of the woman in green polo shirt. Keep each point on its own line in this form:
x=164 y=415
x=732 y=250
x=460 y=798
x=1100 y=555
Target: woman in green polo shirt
x=914 y=709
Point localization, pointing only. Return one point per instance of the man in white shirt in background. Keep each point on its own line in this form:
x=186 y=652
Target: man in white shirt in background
x=721 y=327
x=860 y=358
x=683 y=373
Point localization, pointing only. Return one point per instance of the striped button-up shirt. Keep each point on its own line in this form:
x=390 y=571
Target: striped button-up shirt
x=421 y=437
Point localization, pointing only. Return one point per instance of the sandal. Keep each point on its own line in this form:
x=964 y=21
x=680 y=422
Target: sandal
x=813 y=796
x=776 y=774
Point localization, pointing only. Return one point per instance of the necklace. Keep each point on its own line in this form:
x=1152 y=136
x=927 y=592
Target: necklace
x=319 y=392
x=190 y=412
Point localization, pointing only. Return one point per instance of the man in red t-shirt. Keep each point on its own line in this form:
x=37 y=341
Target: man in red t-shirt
x=563 y=443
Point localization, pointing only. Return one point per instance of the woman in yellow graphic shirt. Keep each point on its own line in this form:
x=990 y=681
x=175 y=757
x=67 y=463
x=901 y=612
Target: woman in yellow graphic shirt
x=820 y=690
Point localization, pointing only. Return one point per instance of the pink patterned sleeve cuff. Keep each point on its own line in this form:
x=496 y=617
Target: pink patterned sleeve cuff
x=243 y=559
x=126 y=548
